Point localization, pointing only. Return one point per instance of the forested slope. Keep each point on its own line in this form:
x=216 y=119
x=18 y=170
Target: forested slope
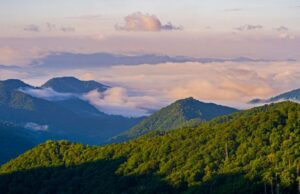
x=254 y=151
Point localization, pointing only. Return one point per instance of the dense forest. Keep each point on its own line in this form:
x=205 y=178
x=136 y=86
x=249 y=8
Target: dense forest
x=253 y=151
x=184 y=112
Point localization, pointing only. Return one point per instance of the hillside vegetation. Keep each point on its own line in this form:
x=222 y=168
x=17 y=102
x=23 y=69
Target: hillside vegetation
x=185 y=112
x=254 y=151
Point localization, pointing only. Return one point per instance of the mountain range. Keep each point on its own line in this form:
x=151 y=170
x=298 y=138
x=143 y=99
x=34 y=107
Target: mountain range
x=66 y=60
x=291 y=95
x=252 y=151
x=181 y=113
x=65 y=115
x=69 y=118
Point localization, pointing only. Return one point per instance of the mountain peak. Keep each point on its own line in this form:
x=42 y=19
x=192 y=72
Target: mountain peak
x=175 y=116
x=13 y=84
x=290 y=95
x=73 y=85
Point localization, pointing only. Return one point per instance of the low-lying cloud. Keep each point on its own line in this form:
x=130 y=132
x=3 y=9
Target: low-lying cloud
x=118 y=101
x=140 y=89
x=145 y=22
x=47 y=94
x=36 y=127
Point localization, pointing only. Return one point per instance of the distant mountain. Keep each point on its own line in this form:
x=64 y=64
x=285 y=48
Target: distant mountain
x=14 y=141
x=176 y=115
x=254 y=151
x=73 y=85
x=71 y=119
x=66 y=60
x=291 y=95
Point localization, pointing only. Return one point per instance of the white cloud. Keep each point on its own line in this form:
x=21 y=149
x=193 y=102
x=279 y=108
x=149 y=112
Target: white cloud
x=145 y=22
x=47 y=94
x=138 y=89
x=36 y=127
x=117 y=101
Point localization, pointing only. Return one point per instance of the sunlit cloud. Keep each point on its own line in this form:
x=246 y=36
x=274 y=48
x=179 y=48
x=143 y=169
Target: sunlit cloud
x=145 y=22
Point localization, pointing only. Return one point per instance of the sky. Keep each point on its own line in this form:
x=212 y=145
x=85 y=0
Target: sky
x=259 y=29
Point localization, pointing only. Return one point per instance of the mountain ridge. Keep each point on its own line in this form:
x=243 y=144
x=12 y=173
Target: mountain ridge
x=176 y=115
x=252 y=151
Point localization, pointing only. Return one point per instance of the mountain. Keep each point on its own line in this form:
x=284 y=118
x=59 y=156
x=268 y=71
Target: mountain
x=176 y=115
x=14 y=141
x=66 y=60
x=252 y=151
x=73 y=85
x=291 y=95
x=71 y=119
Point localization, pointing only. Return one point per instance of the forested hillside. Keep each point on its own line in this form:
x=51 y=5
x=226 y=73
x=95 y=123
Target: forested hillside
x=184 y=112
x=254 y=151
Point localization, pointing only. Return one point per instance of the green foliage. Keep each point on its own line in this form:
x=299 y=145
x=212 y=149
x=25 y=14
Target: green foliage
x=72 y=119
x=252 y=151
x=186 y=112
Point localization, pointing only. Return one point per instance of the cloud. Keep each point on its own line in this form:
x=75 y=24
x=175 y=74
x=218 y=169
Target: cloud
x=50 y=27
x=249 y=27
x=32 y=28
x=286 y=35
x=145 y=22
x=139 y=89
x=67 y=29
x=281 y=28
x=36 y=127
x=117 y=101
x=227 y=83
x=47 y=94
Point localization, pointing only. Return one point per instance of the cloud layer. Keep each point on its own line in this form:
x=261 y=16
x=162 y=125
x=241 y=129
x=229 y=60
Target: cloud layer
x=47 y=94
x=118 y=101
x=36 y=127
x=137 y=90
x=145 y=22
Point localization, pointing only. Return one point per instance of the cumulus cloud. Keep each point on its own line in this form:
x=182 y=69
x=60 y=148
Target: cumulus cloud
x=118 y=101
x=145 y=22
x=47 y=94
x=32 y=28
x=36 y=127
x=249 y=27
